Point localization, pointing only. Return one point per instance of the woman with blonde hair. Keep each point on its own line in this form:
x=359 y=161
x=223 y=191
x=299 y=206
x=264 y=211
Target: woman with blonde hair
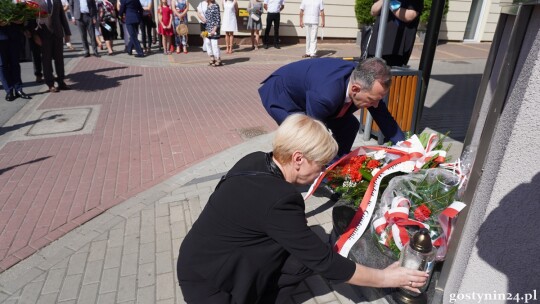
x=251 y=243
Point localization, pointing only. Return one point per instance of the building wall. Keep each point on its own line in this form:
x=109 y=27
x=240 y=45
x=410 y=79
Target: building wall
x=497 y=255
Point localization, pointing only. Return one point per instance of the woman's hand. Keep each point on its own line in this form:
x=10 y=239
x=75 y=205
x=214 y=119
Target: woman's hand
x=397 y=276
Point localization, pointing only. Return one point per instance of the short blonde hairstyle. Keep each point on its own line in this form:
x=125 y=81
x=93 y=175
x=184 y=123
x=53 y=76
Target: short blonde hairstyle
x=302 y=133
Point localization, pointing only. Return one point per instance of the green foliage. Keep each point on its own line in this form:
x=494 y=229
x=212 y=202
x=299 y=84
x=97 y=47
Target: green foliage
x=362 y=9
x=424 y=17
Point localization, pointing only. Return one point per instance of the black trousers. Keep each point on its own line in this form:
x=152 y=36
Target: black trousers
x=146 y=32
x=36 y=57
x=292 y=273
x=52 y=49
x=87 y=29
x=272 y=18
x=10 y=69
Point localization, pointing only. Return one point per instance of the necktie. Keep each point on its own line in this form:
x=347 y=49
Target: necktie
x=344 y=109
x=49 y=6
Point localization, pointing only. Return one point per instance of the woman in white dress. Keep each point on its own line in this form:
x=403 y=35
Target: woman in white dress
x=228 y=25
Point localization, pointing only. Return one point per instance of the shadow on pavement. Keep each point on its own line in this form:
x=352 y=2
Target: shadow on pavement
x=89 y=81
x=4 y=130
x=2 y=171
x=234 y=60
x=452 y=112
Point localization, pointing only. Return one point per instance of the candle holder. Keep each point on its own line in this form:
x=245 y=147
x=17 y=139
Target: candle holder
x=418 y=254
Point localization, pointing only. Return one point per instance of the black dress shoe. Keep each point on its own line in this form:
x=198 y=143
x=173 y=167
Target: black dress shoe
x=86 y=55
x=97 y=55
x=277 y=46
x=21 y=94
x=63 y=86
x=139 y=55
x=266 y=46
x=10 y=96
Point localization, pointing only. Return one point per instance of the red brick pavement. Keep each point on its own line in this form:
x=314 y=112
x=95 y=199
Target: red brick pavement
x=153 y=123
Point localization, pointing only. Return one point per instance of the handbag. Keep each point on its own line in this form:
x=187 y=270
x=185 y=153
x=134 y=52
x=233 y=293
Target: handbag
x=182 y=29
x=255 y=17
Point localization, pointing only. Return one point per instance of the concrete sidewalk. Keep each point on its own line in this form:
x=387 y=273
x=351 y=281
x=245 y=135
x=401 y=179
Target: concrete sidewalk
x=124 y=193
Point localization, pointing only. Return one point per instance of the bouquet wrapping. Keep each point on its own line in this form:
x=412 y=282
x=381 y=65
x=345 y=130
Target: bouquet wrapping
x=412 y=155
x=424 y=199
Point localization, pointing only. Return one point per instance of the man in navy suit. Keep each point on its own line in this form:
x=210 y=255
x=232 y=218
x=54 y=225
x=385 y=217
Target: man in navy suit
x=11 y=39
x=331 y=90
x=131 y=11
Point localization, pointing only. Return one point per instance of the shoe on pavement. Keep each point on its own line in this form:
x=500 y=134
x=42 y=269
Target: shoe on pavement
x=10 y=96
x=86 y=55
x=63 y=86
x=97 y=55
x=277 y=46
x=266 y=46
x=53 y=89
x=20 y=93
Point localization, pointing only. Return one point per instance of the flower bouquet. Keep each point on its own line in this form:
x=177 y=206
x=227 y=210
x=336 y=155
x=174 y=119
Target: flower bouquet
x=18 y=13
x=424 y=199
x=359 y=177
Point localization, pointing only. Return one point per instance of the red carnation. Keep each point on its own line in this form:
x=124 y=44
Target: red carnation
x=372 y=164
x=422 y=213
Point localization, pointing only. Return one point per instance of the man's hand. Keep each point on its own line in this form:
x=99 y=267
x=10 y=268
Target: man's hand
x=73 y=21
x=94 y=21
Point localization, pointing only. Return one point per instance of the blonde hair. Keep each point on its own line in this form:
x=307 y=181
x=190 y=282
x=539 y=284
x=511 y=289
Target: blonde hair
x=302 y=133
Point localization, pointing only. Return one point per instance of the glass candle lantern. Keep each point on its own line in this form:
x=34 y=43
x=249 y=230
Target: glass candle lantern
x=418 y=254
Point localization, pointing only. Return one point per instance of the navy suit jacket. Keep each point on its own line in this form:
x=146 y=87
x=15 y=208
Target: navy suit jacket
x=132 y=9
x=317 y=87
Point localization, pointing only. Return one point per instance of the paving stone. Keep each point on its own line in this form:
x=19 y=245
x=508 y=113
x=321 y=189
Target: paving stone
x=92 y=273
x=165 y=286
x=146 y=294
x=77 y=263
x=163 y=242
x=113 y=257
x=107 y=298
x=97 y=250
x=109 y=281
x=164 y=263
x=47 y=298
x=88 y=294
x=54 y=281
x=147 y=235
x=131 y=244
x=70 y=287
x=146 y=276
x=129 y=264
x=116 y=237
x=127 y=288
x=31 y=292
x=133 y=225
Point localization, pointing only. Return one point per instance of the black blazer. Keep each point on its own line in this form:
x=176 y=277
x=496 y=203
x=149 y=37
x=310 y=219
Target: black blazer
x=248 y=228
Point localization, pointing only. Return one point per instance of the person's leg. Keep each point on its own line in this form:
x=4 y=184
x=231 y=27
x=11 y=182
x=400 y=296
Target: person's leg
x=4 y=69
x=308 y=37
x=184 y=43
x=47 y=56
x=14 y=49
x=177 y=38
x=257 y=38
x=36 y=59
x=344 y=130
x=313 y=37
x=149 y=33
x=267 y=29
x=134 y=41
x=276 y=30
x=91 y=33
x=292 y=273
x=81 y=23
x=58 y=57
x=142 y=25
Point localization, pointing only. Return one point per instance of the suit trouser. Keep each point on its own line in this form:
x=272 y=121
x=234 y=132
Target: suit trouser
x=272 y=17
x=133 y=31
x=146 y=31
x=311 y=38
x=52 y=48
x=87 y=29
x=36 y=57
x=10 y=69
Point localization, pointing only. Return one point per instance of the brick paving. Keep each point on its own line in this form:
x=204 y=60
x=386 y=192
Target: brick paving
x=141 y=170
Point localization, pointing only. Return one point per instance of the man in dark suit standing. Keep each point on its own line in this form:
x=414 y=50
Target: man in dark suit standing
x=131 y=12
x=331 y=90
x=51 y=31
x=84 y=14
x=11 y=39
